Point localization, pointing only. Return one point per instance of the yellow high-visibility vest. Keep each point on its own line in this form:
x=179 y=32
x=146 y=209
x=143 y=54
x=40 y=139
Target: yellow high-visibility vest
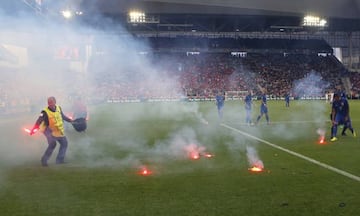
x=56 y=123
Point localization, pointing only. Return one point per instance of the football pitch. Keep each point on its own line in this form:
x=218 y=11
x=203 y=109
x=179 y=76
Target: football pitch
x=178 y=158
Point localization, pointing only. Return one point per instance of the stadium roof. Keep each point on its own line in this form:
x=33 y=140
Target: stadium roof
x=349 y=9
x=216 y=15
x=230 y=15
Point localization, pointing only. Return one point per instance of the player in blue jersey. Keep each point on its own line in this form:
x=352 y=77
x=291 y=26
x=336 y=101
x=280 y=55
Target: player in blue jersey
x=287 y=100
x=220 y=101
x=248 y=108
x=340 y=116
x=343 y=97
x=263 y=110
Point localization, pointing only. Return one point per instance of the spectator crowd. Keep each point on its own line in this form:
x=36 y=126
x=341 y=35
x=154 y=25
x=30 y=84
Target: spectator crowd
x=168 y=72
x=200 y=75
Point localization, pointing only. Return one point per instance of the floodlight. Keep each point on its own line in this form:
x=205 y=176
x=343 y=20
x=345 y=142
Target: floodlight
x=323 y=22
x=67 y=14
x=314 y=21
x=136 y=17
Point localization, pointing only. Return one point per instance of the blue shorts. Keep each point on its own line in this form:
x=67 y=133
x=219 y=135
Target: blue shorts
x=340 y=119
x=263 y=109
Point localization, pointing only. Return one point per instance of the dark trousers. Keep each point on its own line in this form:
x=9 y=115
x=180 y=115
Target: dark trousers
x=51 y=146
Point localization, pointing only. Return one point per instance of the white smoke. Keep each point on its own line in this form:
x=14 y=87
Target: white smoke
x=253 y=158
x=312 y=85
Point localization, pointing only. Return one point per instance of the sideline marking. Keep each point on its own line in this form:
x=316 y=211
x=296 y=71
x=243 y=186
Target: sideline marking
x=294 y=122
x=339 y=171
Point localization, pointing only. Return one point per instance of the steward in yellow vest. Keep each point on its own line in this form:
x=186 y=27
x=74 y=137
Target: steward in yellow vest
x=51 y=123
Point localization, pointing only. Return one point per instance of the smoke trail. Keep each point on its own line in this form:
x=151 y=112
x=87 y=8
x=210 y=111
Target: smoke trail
x=253 y=157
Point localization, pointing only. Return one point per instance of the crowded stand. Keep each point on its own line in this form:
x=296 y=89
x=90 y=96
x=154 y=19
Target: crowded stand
x=209 y=66
x=197 y=68
x=355 y=85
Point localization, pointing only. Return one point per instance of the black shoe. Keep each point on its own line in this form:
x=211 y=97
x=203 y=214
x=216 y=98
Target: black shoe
x=343 y=134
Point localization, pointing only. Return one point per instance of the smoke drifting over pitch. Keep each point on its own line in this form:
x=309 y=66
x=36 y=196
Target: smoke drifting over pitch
x=42 y=69
x=45 y=58
x=311 y=85
x=51 y=58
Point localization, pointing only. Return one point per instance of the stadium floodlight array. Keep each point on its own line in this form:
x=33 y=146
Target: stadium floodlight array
x=314 y=21
x=138 y=17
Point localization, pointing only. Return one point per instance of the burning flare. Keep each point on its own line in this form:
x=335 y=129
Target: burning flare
x=144 y=171
x=321 y=133
x=256 y=169
x=27 y=130
x=195 y=152
x=254 y=161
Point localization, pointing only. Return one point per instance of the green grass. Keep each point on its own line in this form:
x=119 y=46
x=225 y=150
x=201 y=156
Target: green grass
x=102 y=176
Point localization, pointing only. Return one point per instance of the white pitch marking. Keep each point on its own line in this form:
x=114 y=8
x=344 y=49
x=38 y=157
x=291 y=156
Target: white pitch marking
x=341 y=172
x=298 y=122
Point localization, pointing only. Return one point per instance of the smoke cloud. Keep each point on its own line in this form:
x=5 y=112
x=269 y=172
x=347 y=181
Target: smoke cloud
x=41 y=57
x=312 y=85
x=44 y=58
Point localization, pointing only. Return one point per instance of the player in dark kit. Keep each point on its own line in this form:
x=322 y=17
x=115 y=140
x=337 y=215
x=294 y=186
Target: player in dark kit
x=340 y=115
x=343 y=133
x=248 y=108
x=263 y=110
x=287 y=100
x=220 y=101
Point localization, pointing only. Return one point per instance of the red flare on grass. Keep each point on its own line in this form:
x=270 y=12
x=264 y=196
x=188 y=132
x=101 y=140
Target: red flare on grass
x=256 y=169
x=208 y=155
x=194 y=155
x=145 y=171
x=322 y=140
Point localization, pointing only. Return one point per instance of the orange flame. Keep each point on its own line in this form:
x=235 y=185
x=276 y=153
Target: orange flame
x=145 y=172
x=256 y=169
x=208 y=155
x=194 y=155
x=322 y=140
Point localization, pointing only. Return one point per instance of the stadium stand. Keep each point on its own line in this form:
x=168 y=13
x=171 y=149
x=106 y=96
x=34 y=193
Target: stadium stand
x=271 y=64
x=197 y=54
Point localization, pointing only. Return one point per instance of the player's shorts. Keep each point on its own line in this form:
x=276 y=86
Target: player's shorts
x=340 y=119
x=263 y=109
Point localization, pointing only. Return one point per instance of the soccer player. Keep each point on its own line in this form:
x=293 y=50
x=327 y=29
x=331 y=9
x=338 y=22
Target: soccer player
x=343 y=97
x=248 y=108
x=263 y=110
x=220 y=101
x=340 y=115
x=287 y=100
